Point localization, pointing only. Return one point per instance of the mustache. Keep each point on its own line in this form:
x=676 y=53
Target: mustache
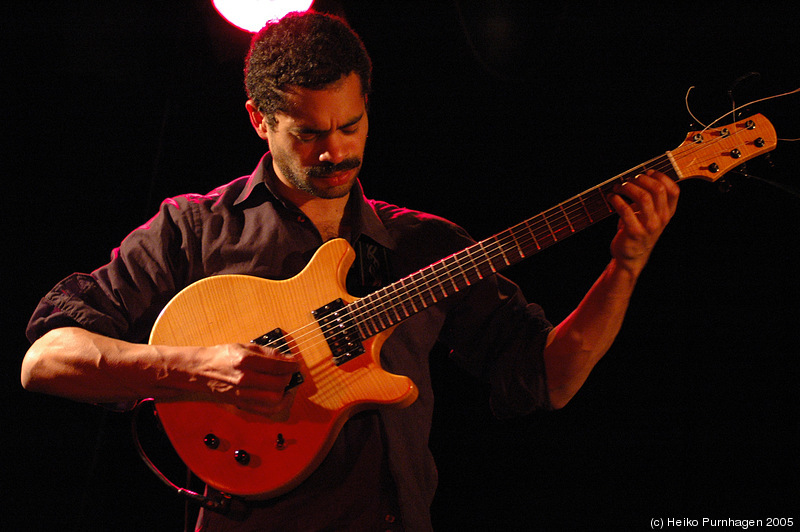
x=326 y=169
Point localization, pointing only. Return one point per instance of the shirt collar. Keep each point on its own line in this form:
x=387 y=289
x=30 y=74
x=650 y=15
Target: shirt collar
x=366 y=220
x=255 y=179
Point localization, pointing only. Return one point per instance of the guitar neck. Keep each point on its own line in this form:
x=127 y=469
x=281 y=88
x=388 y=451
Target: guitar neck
x=706 y=154
x=404 y=298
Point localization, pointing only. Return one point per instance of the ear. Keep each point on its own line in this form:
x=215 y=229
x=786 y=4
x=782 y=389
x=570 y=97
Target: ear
x=257 y=119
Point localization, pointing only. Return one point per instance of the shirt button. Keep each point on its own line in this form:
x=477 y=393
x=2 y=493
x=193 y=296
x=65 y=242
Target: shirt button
x=389 y=518
x=301 y=219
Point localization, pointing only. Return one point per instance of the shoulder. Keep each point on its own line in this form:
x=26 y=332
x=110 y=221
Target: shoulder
x=420 y=235
x=195 y=209
x=403 y=220
x=223 y=197
x=186 y=219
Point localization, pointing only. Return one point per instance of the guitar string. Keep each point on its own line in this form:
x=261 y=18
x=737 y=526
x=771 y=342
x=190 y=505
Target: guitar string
x=552 y=227
x=433 y=280
x=739 y=108
x=441 y=282
x=429 y=280
x=556 y=225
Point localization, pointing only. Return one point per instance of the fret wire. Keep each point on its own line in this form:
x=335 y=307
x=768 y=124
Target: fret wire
x=420 y=292
x=485 y=246
x=467 y=267
x=489 y=260
x=362 y=325
x=449 y=277
x=530 y=232
x=472 y=260
x=476 y=275
x=546 y=221
x=427 y=297
x=432 y=282
x=417 y=294
x=461 y=270
x=397 y=313
x=517 y=246
x=369 y=323
x=411 y=298
x=378 y=301
x=483 y=260
x=380 y=316
x=520 y=237
x=495 y=255
x=494 y=249
x=580 y=219
x=561 y=206
x=439 y=284
x=580 y=197
x=503 y=253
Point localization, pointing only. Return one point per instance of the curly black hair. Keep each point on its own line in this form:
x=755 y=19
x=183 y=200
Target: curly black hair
x=309 y=50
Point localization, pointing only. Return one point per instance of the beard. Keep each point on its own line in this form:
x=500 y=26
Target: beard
x=302 y=178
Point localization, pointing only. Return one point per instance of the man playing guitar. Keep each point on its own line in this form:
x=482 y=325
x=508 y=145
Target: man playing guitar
x=308 y=81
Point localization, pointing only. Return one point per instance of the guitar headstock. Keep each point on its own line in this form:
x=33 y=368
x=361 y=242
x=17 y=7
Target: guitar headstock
x=710 y=153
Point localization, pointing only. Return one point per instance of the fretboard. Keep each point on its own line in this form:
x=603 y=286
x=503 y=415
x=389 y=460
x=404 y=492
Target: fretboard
x=412 y=294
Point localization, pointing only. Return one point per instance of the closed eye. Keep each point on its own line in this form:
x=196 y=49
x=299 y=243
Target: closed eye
x=308 y=134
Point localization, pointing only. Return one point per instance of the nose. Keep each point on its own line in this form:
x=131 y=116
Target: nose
x=335 y=149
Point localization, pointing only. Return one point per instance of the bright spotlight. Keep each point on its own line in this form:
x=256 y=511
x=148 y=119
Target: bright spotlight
x=251 y=15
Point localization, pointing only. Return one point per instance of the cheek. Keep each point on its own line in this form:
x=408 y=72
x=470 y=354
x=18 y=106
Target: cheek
x=292 y=152
x=356 y=145
x=302 y=153
x=306 y=155
x=363 y=133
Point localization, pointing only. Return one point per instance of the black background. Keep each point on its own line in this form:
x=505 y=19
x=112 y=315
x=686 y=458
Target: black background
x=485 y=113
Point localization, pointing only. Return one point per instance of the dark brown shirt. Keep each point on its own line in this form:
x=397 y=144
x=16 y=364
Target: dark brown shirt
x=243 y=228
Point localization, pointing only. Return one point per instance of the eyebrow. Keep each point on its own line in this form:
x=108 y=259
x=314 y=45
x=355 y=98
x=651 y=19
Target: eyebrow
x=350 y=123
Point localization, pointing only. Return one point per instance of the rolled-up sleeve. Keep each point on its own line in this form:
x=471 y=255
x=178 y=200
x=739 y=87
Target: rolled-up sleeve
x=496 y=335
x=122 y=298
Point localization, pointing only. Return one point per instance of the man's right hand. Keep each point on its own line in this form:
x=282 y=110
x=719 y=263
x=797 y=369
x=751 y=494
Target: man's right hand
x=77 y=364
x=251 y=377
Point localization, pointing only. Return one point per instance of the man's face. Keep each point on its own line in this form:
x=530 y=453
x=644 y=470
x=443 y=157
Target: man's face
x=318 y=145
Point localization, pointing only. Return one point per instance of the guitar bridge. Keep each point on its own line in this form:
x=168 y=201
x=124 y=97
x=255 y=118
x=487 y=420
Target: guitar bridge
x=276 y=339
x=339 y=331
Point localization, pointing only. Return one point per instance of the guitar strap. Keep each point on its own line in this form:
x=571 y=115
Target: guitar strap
x=371 y=270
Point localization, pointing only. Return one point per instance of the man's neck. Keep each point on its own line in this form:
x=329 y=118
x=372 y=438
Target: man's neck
x=329 y=216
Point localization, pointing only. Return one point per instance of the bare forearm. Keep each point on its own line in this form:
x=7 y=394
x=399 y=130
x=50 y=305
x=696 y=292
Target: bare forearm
x=576 y=345
x=84 y=366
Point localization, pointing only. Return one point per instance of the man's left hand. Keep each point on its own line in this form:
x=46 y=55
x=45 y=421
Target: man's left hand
x=653 y=199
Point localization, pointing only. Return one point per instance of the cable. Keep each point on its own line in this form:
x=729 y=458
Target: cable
x=219 y=504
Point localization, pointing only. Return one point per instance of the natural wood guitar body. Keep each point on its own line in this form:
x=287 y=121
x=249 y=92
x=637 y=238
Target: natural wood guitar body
x=238 y=309
x=254 y=456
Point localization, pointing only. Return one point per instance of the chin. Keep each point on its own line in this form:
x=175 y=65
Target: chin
x=335 y=190
x=339 y=191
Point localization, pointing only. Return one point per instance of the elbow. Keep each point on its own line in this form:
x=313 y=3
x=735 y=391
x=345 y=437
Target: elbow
x=568 y=362
x=559 y=398
x=31 y=370
x=40 y=364
x=562 y=390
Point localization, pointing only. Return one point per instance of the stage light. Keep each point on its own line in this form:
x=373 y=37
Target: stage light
x=251 y=15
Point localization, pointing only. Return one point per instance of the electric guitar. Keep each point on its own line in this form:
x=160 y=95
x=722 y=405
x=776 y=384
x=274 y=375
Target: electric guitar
x=338 y=337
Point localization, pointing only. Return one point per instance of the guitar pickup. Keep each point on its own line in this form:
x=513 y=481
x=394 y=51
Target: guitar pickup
x=276 y=339
x=340 y=332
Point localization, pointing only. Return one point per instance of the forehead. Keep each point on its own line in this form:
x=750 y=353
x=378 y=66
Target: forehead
x=340 y=101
